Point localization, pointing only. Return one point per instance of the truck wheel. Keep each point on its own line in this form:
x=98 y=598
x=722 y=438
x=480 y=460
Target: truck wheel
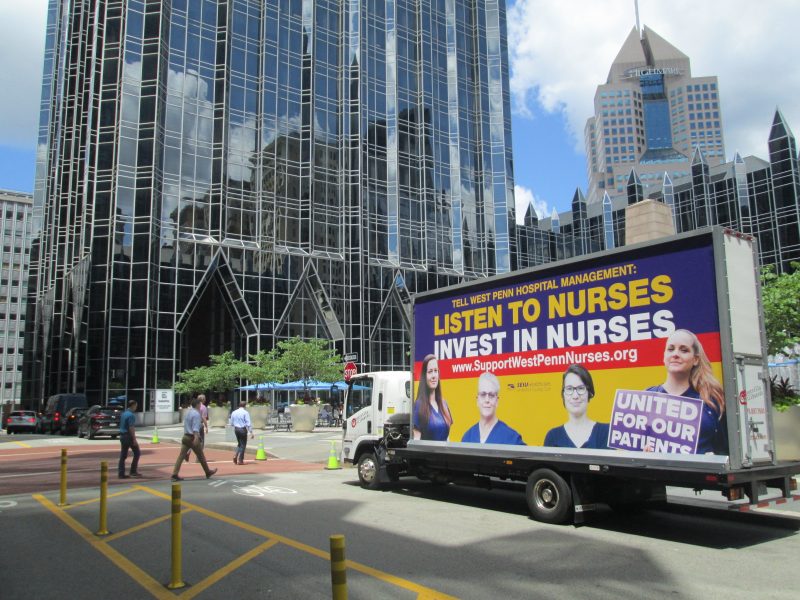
x=368 y=471
x=549 y=497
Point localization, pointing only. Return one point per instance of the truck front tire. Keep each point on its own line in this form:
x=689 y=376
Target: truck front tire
x=368 y=471
x=549 y=497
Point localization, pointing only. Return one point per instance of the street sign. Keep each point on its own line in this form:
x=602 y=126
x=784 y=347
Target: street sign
x=350 y=357
x=350 y=370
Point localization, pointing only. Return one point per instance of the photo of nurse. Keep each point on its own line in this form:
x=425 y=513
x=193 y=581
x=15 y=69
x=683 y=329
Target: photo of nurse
x=577 y=389
x=689 y=374
x=431 y=415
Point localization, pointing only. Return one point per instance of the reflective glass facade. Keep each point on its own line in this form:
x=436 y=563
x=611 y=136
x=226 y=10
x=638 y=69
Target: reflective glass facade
x=222 y=174
x=749 y=195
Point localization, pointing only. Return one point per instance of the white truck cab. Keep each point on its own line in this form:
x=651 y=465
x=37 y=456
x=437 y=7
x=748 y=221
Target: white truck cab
x=372 y=398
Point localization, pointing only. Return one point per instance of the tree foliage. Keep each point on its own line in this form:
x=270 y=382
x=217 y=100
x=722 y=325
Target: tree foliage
x=780 y=296
x=291 y=360
x=223 y=374
x=306 y=360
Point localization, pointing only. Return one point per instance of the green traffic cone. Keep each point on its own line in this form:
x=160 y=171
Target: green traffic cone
x=154 y=440
x=333 y=462
x=260 y=454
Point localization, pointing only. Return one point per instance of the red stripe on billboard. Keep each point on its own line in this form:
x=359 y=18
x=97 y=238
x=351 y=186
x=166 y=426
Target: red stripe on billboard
x=643 y=353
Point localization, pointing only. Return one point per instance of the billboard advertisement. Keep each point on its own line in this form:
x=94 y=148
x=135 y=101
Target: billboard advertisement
x=621 y=355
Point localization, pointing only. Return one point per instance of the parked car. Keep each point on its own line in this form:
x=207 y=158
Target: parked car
x=57 y=407
x=99 y=420
x=21 y=420
x=69 y=425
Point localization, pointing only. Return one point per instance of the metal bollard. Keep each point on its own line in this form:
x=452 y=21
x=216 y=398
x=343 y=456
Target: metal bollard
x=62 y=499
x=176 y=582
x=103 y=529
x=338 y=568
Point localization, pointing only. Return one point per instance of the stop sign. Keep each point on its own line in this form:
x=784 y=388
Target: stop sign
x=350 y=370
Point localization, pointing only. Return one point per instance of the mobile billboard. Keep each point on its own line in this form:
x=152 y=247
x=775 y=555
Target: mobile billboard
x=618 y=352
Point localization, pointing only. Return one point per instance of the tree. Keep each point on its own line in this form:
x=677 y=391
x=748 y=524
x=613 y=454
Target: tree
x=264 y=367
x=223 y=374
x=779 y=297
x=314 y=359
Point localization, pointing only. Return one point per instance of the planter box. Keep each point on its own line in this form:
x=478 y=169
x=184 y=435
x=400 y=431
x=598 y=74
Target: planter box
x=304 y=416
x=787 y=433
x=259 y=415
x=217 y=416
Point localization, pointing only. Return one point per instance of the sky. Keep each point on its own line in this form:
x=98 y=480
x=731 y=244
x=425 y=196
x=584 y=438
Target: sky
x=559 y=52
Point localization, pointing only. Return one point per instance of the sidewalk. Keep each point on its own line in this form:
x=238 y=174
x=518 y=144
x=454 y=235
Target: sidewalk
x=223 y=438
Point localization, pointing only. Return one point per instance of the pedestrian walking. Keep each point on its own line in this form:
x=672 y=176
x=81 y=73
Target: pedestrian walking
x=191 y=441
x=202 y=407
x=240 y=420
x=127 y=441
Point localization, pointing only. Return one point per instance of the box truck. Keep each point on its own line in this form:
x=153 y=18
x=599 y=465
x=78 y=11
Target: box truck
x=604 y=378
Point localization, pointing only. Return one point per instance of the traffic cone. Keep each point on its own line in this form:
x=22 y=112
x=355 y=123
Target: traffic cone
x=154 y=439
x=333 y=462
x=260 y=454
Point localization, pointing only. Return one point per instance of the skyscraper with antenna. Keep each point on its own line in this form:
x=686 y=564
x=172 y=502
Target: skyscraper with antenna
x=652 y=116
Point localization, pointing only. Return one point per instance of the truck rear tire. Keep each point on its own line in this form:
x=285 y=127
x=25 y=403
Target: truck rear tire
x=549 y=497
x=368 y=471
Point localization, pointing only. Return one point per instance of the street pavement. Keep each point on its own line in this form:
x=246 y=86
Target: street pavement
x=262 y=530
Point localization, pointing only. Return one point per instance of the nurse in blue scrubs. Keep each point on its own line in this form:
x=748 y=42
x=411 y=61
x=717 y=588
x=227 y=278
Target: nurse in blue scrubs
x=489 y=429
x=577 y=388
x=431 y=419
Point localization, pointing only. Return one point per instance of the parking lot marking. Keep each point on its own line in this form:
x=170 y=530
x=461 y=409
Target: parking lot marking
x=93 y=500
x=226 y=570
x=21 y=444
x=150 y=523
x=159 y=592
x=134 y=572
x=421 y=590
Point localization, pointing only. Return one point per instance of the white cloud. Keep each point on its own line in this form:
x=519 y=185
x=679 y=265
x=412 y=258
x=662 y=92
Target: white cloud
x=560 y=51
x=523 y=197
x=22 y=29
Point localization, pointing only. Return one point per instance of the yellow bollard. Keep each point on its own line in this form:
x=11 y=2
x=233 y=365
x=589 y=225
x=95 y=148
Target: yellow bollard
x=103 y=529
x=176 y=581
x=62 y=499
x=338 y=568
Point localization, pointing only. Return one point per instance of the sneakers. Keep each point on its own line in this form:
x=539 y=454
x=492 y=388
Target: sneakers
x=210 y=473
x=235 y=458
x=135 y=475
x=176 y=478
x=123 y=476
x=241 y=461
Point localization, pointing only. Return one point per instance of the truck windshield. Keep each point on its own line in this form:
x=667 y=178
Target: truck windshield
x=359 y=395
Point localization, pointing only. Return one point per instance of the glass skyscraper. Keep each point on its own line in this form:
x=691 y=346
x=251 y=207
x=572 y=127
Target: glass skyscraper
x=221 y=174
x=650 y=115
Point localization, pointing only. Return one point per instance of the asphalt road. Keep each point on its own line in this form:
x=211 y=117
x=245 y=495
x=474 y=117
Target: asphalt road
x=266 y=534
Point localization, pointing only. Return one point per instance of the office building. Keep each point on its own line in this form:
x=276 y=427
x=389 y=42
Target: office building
x=224 y=174
x=15 y=228
x=650 y=114
x=751 y=195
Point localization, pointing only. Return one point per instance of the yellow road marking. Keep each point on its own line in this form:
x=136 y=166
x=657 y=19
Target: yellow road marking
x=129 y=568
x=226 y=570
x=21 y=444
x=422 y=591
x=93 y=500
x=136 y=528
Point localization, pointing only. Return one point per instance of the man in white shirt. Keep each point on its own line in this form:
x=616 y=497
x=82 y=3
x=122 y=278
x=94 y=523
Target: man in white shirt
x=240 y=421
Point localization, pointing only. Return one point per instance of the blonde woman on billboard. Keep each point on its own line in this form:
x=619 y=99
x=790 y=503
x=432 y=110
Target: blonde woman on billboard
x=689 y=375
x=577 y=389
x=489 y=429
x=431 y=416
